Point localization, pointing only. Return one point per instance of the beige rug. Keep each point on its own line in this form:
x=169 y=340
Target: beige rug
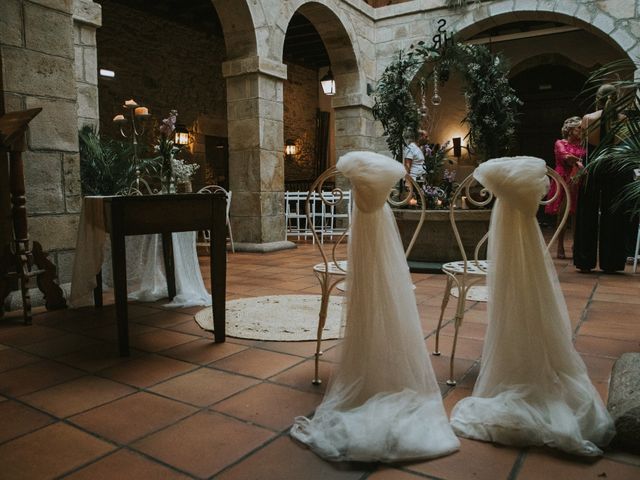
x=285 y=318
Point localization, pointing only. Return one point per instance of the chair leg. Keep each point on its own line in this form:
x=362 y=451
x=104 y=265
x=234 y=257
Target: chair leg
x=462 y=297
x=233 y=249
x=445 y=302
x=322 y=319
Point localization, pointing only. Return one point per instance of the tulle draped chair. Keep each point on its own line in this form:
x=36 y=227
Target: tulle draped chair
x=329 y=191
x=227 y=193
x=466 y=273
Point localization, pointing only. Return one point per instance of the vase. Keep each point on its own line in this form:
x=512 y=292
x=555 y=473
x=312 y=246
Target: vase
x=185 y=187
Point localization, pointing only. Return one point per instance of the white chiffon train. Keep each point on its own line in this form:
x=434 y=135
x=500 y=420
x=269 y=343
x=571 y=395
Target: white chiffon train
x=383 y=402
x=190 y=289
x=533 y=387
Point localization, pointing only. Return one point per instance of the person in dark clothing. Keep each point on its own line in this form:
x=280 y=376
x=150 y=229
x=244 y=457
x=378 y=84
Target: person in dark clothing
x=601 y=232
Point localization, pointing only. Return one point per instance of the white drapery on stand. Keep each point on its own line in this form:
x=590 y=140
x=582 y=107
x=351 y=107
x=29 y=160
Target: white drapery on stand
x=146 y=259
x=383 y=402
x=533 y=387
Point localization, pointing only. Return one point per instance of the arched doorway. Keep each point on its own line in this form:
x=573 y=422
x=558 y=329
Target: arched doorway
x=306 y=110
x=550 y=94
x=158 y=62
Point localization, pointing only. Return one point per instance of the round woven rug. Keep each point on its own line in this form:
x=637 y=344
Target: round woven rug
x=287 y=318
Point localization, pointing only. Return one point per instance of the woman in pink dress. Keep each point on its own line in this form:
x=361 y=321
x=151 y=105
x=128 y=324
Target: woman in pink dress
x=569 y=154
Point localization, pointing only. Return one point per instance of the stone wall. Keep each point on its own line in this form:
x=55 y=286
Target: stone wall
x=38 y=62
x=300 y=111
x=162 y=65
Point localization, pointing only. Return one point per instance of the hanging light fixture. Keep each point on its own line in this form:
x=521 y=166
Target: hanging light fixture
x=181 y=136
x=457 y=147
x=328 y=83
x=290 y=147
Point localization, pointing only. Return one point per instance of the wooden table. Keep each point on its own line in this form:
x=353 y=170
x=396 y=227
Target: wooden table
x=164 y=214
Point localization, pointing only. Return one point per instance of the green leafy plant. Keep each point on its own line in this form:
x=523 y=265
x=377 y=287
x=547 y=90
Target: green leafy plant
x=456 y=4
x=394 y=104
x=491 y=102
x=492 y=105
x=105 y=166
x=619 y=149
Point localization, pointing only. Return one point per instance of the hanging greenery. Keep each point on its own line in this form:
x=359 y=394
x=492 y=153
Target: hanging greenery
x=394 y=104
x=491 y=102
x=455 y=4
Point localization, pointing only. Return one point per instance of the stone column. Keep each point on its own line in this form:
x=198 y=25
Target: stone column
x=87 y=17
x=256 y=152
x=36 y=46
x=355 y=128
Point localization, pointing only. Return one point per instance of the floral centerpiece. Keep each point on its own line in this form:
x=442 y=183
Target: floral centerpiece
x=166 y=150
x=437 y=181
x=172 y=170
x=183 y=172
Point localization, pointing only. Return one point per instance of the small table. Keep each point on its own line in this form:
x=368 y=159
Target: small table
x=164 y=214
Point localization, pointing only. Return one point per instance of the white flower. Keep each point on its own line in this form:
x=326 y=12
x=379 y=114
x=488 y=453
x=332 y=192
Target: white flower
x=183 y=171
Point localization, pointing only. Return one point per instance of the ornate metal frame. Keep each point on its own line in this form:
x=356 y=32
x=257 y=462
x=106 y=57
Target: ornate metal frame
x=332 y=264
x=465 y=273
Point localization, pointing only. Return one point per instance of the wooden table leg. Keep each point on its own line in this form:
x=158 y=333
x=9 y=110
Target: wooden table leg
x=169 y=264
x=119 y=263
x=97 y=292
x=218 y=268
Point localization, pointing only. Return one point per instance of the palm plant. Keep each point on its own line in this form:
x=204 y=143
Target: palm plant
x=619 y=149
x=105 y=164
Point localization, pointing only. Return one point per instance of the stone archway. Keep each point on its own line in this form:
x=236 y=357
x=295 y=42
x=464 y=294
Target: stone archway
x=254 y=72
x=316 y=32
x=351 y=106
x=572 y=21
x=590 y=18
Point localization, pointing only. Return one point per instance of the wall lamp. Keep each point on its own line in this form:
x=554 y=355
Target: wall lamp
x=181 y=136
x=457 y=147
x=290 y=147
x=328 y=83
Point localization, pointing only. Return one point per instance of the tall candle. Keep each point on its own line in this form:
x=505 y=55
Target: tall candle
x=141 y=111
x=130 y=103
x=464 y=202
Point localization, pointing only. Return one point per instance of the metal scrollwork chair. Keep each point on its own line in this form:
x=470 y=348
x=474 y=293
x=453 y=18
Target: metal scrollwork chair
x=466 y=273
x=227 y=193
x=333 y=268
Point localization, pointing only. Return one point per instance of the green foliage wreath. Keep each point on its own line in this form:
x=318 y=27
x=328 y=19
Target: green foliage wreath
x=492 y=104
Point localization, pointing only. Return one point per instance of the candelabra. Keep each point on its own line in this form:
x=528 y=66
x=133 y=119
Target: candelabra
x=139 y=114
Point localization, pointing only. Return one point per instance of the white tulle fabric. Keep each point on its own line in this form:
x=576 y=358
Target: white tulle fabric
x=145 y=265
x=533 y=387
x=190 y=290
x=383 y=402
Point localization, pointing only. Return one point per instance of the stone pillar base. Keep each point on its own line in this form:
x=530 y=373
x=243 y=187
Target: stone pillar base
x=264 y=247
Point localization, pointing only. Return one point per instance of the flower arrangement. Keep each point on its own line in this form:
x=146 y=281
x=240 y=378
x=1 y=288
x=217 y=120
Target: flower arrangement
x=172 y=170
x=437 y=184
x=434 y=156
x=183 y=171
x=166 y=150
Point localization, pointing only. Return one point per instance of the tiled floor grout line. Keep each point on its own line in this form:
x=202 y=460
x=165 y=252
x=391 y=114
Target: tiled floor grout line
x=517 y=465
x=270 y=380
x=585 y=309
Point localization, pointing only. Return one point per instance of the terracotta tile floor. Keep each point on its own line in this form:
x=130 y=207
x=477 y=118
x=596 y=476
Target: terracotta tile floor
x=183 y=407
